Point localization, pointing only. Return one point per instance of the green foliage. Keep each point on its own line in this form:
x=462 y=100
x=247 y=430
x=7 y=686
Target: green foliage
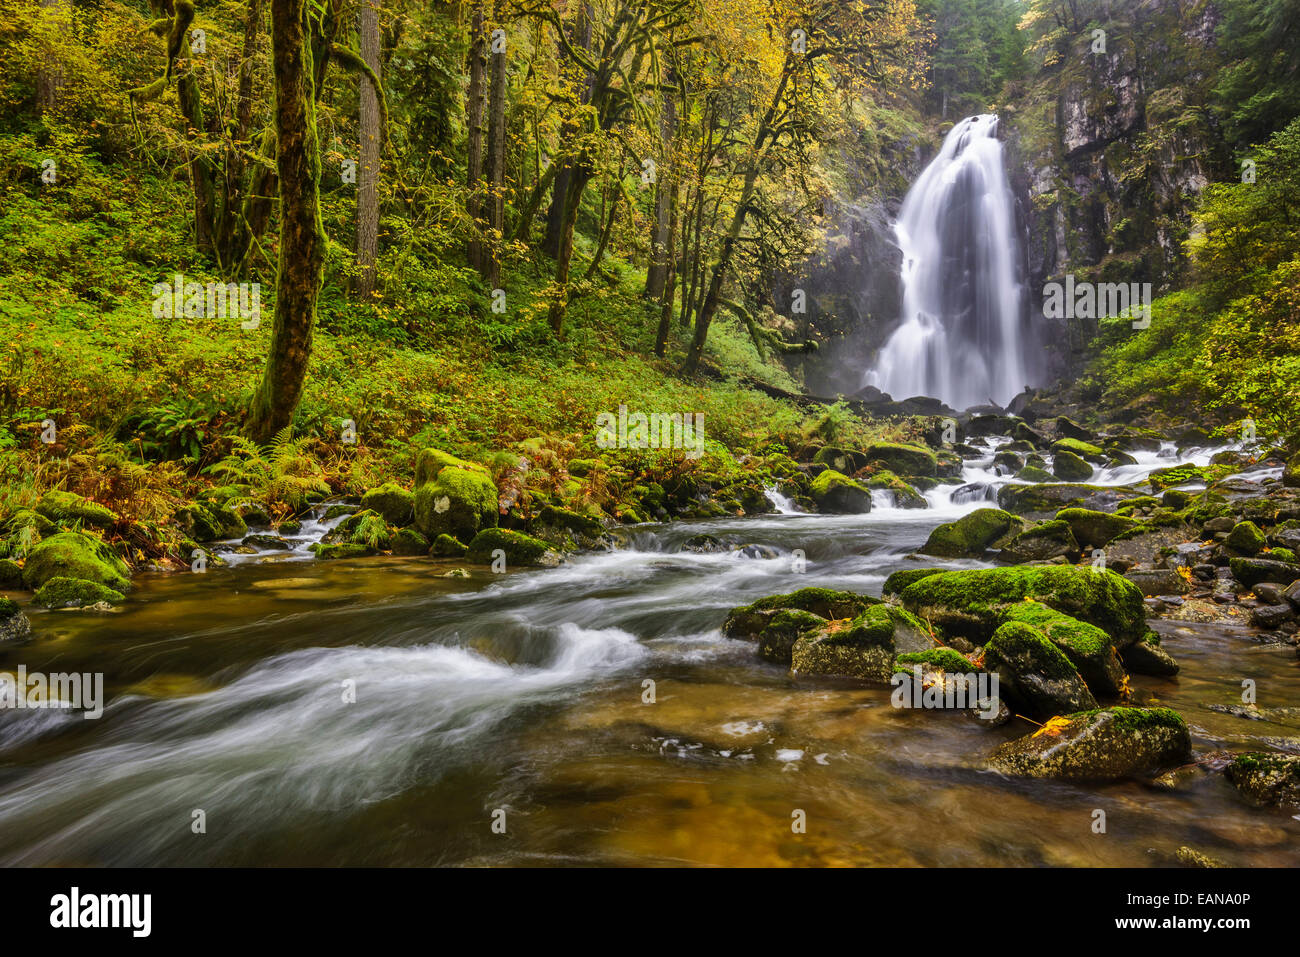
x=281 y=473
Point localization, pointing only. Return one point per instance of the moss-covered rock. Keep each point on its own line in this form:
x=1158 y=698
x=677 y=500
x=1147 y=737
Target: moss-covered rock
x=899 y=580
x=1030 y=499
x=973 y=603
x=1089 y=650
x=1033 y=672
x=1035 y=474
x=836 y=493
x=408 y=541
x=905 y=496
x=1079 y=449
x=29 y=518
x=902 y=458
x=1246 y=539
x=1093 y=529
x=14 y=625
x=444 y=546
x=1069 y=467
x=747 y=621
x=1291 y=472
x=860 y=647
x=75 y=593
x=1042 y=542
x=430 y=462
x=517 y=548
x=970 y=535
x=330 y=551
x=1266 y=778
x=934 y=659
x=390 y=500
x=1099 y=745
x=210 y=522
x=11 y=574
x=841 y=460
x=366 y=528
x=460 y=502
x=1177 y=475
x=75 y=555
x=266 y=542
x=1254 y=571
x=66 y=507
x=1146 y=657
x=780 y=632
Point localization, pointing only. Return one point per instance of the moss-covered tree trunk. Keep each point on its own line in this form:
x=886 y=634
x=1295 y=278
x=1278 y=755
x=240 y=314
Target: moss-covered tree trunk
x=302 y=241
x=475 y=99
x=368 y=185
x=490 y=268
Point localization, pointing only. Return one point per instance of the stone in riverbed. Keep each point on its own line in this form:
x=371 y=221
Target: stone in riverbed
x=838 y=494
x=1095 y=529
x=1246 y=539
x=748 y=621
x=11 y=574
x=1102 y=745
x=75 y=593
x=74 y=555
x=899 y=580
x=14 y=625
x=1042 y=542
x=1266 y=778
x=1024 y=499
x=408 y=541
x=971 y=535
x=902 y=459
x=1089 y=650
x=1251 y=571
x=861 y=647
x=393 y=502
x=1034 y=673
x=1146 y=657
x=777 y=639
x=1069 y=467
x=515 y=547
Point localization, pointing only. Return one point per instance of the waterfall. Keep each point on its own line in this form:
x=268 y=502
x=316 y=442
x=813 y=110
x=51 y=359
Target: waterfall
x=964 y=336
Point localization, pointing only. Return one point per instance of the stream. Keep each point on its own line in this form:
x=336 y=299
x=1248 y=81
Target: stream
x=519 y=698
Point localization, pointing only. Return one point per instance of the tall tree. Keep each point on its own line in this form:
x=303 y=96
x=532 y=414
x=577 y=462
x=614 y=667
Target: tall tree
x=475 y=98
x=490 y=268
x=302 y=240
x=368 y=181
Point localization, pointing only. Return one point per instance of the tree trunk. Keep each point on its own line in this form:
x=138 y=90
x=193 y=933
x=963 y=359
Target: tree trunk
x=496 y=162
x=49 y=79
x=568 y=132
x=577 y=183
x=302 y=241
x=657 y=274
x=670 y=269
x=474 y=121
x=368 y=182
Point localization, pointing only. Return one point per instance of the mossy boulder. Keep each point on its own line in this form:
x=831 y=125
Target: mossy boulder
x=902 y=458
x=1093 y=529
x=974 y=602
x=1079 y=449
x=11 y=574
x=516 y=547
x=329 y=551
x=970 y=535
x=1246 y=539
x=1035 y=474
x=75 y=555
x=458 y=501
x=366 y=528
x=14 y=625
x=1069 y=467
x=29 y=518
x=1099 y=745
x=899 y=580
x=430 y=462
x=1089 y=650
x=1146 y=657
x=947 y=660
x=390 y=500
x=1291 y=472
x=1266 y=778
x=408 y=541
x=65 y=507
x=210 y=522
x=1033 y=672
x=747 y=621
x=905 y=496
x=1255 y=571
x=75 y=593
x=861 y=647
x=1176 y=475
x=568 y=520
x=1030 y=499
x=839 y=459
x=266 y=542
x=780 y=632
x=836 y=493
x=1042 y=542
x=444 y=546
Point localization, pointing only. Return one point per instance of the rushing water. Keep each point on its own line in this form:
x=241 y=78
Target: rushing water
x=963 y=335
x=523 y=693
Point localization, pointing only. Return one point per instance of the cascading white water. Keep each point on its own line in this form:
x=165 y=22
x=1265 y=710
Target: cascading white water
x=964 y=337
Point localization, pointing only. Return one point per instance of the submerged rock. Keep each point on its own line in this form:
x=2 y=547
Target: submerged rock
x=1146 y=657
x=1267 y=778
x=1102 y=745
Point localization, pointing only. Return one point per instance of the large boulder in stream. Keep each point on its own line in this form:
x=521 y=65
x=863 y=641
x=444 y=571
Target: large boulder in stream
x=748 y=621
x=1042 y=542
x=1266 y=778
x=903 y=459
x=1069 y=467
x=837 y=493
x=973 y=603
x=1256 y=571
x=515 y=548
x=860 y=647
x=453 y=496
x=1098 y=745
x=970 y=535
x=1094 y=529
x=1033 y=673
x=1052 y=497
x=1089 y=650
x=75 y=555
x=393 y=502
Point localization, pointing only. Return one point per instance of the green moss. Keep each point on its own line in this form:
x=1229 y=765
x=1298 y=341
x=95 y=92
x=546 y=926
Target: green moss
x=835 y=492
x=1093 y=529
x=938 y=659
x=430 y=462
x=447 y=547
x=518 y=548
x=362 y=528
x=408 y=541
x=458 y=501
x=11 y=575
x=1246 y=538
x=1029 y=650
x=902 y=458
x=1078 y=448
x=75 y=593
x=905 y=496
x=827 y=603
x=64 y=507
x=1069 y=467
x=393 y=502
x=326 y=551
x=8 y=608
x=970 y=535
x=1032 y=473
x=776 y=640
x=899 y=580
x=75 y=555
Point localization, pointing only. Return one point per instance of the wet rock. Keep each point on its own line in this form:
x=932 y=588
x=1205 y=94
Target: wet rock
x=1042 y=542
x=747 y=621
x=1271 y=616
x=903 y=494
x=902 y=459
x=1026 y=499
x=704 y=544
x=971 y=535
x=74 y=555
x=1069 y=467
x=408 y=541
x=14 y=625
x=861 y=647
x=782 y=630
x=390 y=500
x=331 y=551
x=899 y=580
x=1246 y=538
x=1190 y=857
x=838 y=494
x=1292 y=594
x=1103 y=745
x=1146 y=657
x=1157 y=581
x=11 y=574
x=1092 y=528
x=75 y=593
x=268 y=542
x=1252 y=571
x=1089 y=650
x=1267 y=778
x=1214 y=526
x=1072 y=430
x=1034 y=673
x=515 y=548
x=444 y=546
